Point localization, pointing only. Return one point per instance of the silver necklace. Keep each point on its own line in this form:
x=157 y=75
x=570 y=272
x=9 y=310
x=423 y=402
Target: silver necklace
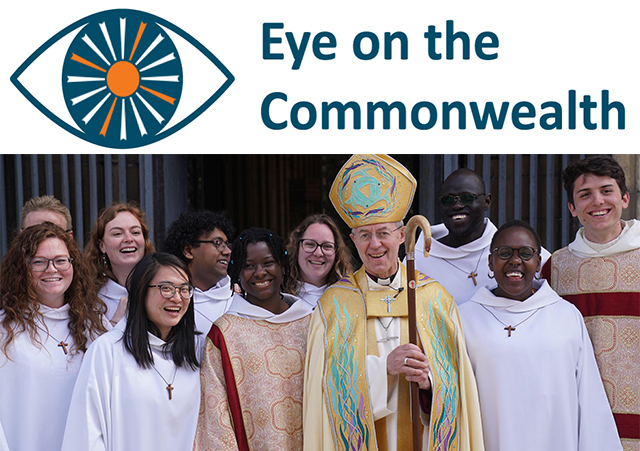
x=169 y=384
x=386 y=328
x=510 y=328
x=473 y=274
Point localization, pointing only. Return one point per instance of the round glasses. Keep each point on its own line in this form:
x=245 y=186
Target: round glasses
x=167 y=290
x=506 y=252
x=41 y=264
x=465 y=198
x=218 y=243
x=310 y=246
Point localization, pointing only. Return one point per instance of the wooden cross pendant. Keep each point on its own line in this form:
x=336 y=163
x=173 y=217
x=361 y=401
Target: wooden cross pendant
x=509 y=329
x=472 y=276
x=170 y=390
x=63 y=345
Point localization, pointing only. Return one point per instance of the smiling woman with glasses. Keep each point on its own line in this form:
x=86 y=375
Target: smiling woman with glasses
x=318 y=256
x=49 y=314
x=142 y=377
x=531 y=352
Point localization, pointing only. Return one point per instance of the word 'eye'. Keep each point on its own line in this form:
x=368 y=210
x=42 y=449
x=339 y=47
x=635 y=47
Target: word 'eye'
x=123 y=78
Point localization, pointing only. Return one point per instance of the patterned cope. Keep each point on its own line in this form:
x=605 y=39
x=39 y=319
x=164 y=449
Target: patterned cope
x=346 y=389
x=606 y=290
x=251 y=382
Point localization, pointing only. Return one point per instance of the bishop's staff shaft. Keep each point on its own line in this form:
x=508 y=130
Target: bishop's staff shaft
x=410 y=244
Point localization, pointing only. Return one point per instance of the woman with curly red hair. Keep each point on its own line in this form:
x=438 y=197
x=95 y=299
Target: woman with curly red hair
x=119 y=240
x=49 y=313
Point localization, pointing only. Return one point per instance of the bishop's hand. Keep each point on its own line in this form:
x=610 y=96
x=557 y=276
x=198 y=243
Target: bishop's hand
x=409 y=360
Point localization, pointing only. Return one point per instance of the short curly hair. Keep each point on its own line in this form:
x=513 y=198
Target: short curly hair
x=258 y=235
x=19 y=301
x=189 y=228
x=600 y=165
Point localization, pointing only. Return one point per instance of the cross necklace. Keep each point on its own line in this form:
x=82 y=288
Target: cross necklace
x=510 y=328
x=386 y=329
x=61 y=343
x=169 y=384
x=473 y=274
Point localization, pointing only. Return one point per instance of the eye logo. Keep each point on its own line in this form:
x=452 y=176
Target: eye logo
x=129 y=78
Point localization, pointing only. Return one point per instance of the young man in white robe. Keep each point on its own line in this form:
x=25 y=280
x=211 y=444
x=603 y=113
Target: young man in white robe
x=460 y=244
x=201 y=240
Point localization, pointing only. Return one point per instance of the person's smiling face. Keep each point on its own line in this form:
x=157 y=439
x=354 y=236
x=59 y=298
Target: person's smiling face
x=261 y=275
x=598 y=204
x=316 y=265
x=514 y=275
x=123 y=242
x=52 y=283
x=465 y=222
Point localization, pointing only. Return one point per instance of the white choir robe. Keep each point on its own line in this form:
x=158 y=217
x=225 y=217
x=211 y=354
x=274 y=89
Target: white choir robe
x=452 y=266
x=36 y=385
x=540 y=389
x=118 y=406
x=310 y=294
x=211 y=304
x=3 y=441
x=111 y=293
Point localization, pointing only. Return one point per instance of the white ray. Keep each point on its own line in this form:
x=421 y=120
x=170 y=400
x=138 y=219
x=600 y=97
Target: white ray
x=175 y=78
x=163 y=60
x=143 y=131
x=159 y=118
x=90 y=43
x=74 y=79
x=105 y=32
x=153 y=45
x=89 y=116
x=123 y=123
x=79 y=99
x=123 y=27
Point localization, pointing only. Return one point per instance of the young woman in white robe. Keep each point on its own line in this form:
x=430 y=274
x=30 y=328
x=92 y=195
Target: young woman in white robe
x=538 y=382
x=119 y=240
x=318 y=256
x=139 y=387
x=49 y=314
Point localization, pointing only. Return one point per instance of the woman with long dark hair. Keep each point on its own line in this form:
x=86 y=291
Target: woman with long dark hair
x=49 y=313
x=139 y=385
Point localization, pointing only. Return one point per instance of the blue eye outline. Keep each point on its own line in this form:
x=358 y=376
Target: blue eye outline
x=160 y=21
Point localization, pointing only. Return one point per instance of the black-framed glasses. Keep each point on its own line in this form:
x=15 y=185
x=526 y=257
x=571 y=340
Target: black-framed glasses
x=218 y=243
x=41 y=264
x=167 y=290
x=310 y=246
x=506 y=252
x=465 y=198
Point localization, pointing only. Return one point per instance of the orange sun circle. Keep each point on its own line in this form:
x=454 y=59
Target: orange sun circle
x=123 y=78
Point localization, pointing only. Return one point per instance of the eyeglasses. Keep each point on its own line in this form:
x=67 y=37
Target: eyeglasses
x=525 y=253
x=382 y=235
x=310 y=246
x=167 y=290
x=41 y=264
x=465 y=198
x=219 y=244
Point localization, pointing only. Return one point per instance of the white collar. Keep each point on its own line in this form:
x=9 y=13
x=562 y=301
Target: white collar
x=440 y=250
x=543 y=296
x=245 y=309
x=628 y=240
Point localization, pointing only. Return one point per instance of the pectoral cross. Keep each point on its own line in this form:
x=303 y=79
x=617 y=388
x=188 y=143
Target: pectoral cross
x=472 y=276
x=170 y=390
x=63 y=345
x=388 y=300
x=509 y=329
